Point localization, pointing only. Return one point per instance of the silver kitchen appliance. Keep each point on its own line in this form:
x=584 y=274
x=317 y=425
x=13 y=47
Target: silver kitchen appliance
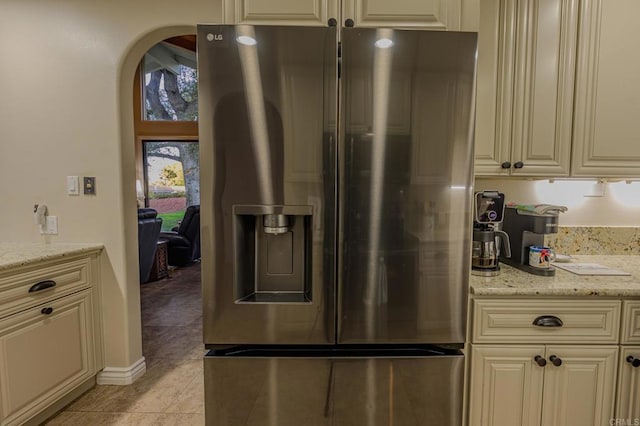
x=488 y=240
x=336 y=203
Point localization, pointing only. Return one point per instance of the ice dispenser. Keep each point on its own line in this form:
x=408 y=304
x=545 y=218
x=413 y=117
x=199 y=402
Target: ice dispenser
x=272 y=254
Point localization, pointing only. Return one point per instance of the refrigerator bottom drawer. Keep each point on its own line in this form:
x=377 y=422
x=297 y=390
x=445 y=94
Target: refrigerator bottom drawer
x=338 y=391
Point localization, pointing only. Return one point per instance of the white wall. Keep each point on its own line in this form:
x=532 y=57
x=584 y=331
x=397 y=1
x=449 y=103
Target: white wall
x=620 y=205
x=66 y=78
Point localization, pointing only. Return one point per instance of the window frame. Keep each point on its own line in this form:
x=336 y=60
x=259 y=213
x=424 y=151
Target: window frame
x=154 y=130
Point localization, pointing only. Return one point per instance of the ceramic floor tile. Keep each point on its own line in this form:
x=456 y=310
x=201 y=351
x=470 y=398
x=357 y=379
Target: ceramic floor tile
x=191 y=400
x=126 y=419
x=171 y=392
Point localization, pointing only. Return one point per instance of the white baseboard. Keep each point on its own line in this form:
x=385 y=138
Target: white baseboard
x=122 y=376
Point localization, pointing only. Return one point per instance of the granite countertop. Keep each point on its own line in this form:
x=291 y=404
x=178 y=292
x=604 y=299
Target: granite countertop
x=13 y=255
x=514 y=282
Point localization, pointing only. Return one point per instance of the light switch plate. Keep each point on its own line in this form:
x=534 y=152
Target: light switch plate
x=89 y=185
x=73 y=185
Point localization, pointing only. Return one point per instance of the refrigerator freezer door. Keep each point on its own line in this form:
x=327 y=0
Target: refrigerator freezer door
x=294 y=391
x=268 y=102
x=406 y=185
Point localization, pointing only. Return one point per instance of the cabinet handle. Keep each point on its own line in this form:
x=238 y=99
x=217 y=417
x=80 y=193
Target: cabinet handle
x=635 y=362
x=47 y=311
x=518 y=165
x=332 y=22
x=42 y=285
x=555 y=360
x=506 y=165
x=540 y=360
x=348 y=23
x=548 y=321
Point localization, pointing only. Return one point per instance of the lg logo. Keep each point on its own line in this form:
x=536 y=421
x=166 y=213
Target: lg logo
x=214 y=37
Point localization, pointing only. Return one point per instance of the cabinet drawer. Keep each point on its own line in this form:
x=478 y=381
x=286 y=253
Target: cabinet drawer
x=44 y=355
x=631 y=323
x=512 y=321
x=68 y=276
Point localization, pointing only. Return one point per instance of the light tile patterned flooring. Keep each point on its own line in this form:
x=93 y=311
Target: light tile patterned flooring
x=172 y=390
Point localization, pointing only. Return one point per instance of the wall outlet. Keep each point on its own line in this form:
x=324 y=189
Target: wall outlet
x=50 y=226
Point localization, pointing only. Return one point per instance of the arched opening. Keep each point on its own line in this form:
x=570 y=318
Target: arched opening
x=132 y=170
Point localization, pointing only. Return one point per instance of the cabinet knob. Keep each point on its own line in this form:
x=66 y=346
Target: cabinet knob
x=47 y=311
x=548 y=321
x=635 y=362
x=518 y=165
x=332 y=22
x=540 y=360
x=555 y=360
x=348 y=23
x=506 y=165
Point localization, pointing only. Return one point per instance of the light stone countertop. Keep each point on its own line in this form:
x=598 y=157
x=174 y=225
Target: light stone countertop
x=514 y=282
x=13 y=255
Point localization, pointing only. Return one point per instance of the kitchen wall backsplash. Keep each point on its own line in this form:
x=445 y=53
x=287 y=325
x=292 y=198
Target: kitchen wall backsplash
x=595 y=240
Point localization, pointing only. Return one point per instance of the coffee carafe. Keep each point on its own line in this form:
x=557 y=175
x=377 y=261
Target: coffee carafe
x=488 y=240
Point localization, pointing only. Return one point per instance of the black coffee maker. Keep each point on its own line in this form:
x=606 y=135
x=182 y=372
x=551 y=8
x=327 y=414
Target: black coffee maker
x=489 y=211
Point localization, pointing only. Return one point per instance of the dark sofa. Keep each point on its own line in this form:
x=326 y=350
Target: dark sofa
x=149 y=226
x=183 y=245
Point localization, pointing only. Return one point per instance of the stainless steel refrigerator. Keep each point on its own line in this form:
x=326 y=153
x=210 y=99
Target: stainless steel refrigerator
x=336 y=197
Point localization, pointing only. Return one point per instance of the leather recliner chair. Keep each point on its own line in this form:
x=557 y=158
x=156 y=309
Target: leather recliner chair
x=183 y=245
x=149 y=226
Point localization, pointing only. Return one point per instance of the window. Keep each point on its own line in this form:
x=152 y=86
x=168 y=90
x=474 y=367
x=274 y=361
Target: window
x=170 y=90
x=172 y=176
x=165 y=104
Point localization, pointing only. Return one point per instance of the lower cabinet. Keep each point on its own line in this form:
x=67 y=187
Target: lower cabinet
x=628 y=405
x=548 y=385
x=45 y=352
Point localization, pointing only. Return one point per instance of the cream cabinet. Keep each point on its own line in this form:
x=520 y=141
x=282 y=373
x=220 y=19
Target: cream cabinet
x=50 y=345
x=628 y=405
x=430 y=14
x=606 y=139
x=543 y=362
x=526 y=71
x=280 y=12
x=542 y=385
x=558 y=92
x=628 y=401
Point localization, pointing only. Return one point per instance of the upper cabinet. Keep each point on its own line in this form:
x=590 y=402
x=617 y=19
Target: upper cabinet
x=280 y=12
x=606 y=139
x=558 y=93
x=430 y=14
x=526 y=69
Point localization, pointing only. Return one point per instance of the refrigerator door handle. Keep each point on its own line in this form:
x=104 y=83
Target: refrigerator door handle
x=328 y=401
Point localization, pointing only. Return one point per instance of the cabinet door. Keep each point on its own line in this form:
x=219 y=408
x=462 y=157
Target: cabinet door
x=579 y=392
x=43 y=355
x=526 y=66
x=605 y=140
x=543 y=92
x=628 y=406
x=431 y=14
x=506 y=386
x=494 y=87
x=280 y=12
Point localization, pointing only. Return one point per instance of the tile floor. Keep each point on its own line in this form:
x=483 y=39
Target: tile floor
x=172 y=390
